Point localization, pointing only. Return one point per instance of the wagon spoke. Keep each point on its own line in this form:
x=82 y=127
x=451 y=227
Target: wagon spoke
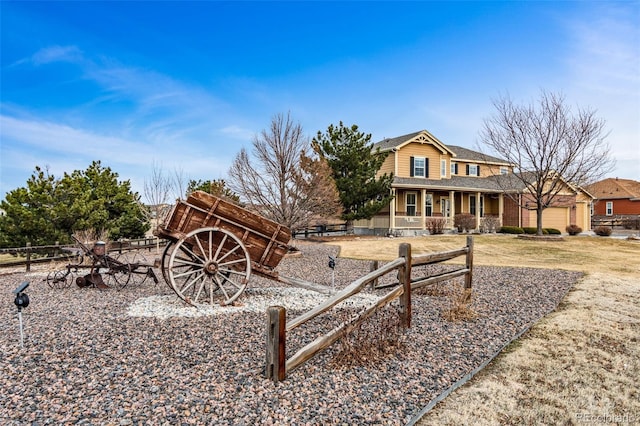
x=231 y=262
x=233 y=283
x=206 y=255
x=188 y=284
x=220 y=246
x=229 y=253
x=221 y=287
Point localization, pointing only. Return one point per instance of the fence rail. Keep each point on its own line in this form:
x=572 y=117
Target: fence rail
x=277 y=365
x=320 y=230
x=30 y=255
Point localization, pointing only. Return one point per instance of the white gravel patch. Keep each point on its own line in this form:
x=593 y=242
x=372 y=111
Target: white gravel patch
x=252 y=300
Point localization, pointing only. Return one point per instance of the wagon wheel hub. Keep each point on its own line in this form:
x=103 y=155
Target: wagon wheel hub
x=211 y=267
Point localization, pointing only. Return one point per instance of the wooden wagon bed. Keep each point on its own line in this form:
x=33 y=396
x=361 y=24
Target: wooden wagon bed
x=265 y=240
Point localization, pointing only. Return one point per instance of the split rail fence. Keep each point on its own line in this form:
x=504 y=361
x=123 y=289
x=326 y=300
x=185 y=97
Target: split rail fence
x=277 y=364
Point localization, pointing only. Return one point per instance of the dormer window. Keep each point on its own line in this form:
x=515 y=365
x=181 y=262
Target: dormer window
x=419 y=167
x=504 y=170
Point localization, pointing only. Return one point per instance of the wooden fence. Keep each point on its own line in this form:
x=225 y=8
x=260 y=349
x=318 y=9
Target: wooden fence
x=30 y=255
x=320 y=230
x=277 y=365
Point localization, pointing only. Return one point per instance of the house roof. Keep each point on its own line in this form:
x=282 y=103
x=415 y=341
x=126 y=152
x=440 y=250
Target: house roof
x=465 y=183
x=459 y=152
x=398 y=142
x=470 y=155
x=615 y=188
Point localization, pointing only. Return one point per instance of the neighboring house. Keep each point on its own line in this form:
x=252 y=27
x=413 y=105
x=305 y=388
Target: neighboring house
x=615 y=197
x=434 y=180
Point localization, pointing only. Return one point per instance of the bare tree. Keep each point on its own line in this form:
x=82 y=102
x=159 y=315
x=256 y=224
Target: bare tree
x=548 y=146
x=280 y=181
x=156 y=192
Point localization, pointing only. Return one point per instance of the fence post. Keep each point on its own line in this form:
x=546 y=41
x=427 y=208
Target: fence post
x=405 y=280
x=373 y=267
x=469 y=275
x=28 y=256
x=276 y=336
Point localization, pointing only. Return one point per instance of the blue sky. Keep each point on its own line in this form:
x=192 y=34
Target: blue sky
x=185 y=85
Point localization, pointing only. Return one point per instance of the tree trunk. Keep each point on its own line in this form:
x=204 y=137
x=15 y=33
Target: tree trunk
x=539 y=220
x=349 y=226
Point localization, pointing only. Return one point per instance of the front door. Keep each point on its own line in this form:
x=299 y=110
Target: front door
x=445 y=207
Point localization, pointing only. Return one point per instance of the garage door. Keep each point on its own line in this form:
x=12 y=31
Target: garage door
x=553 y=217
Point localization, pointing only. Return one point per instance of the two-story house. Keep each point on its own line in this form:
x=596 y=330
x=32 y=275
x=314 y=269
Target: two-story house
x=434 y=180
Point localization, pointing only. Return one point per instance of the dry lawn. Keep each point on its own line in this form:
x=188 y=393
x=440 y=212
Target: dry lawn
x=580 y=364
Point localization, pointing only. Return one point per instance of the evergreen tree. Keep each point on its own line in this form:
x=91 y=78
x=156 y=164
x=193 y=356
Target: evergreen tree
x=30 y=214
x=355 y=165
x=50 y=210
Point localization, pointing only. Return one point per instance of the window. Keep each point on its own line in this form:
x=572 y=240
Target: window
x=609 y=208
x=443 y=168
x=504 y=170
x=418 y=167
x=428 y=205
x=454 y=168
x=473 y=170
x=472 y=205
x=411 y=203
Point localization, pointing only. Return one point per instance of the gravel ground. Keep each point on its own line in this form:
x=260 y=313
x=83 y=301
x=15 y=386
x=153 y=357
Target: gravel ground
x=139 y=356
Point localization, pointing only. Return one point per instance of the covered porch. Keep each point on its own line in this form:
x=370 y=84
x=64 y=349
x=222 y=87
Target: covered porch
x=413 y=209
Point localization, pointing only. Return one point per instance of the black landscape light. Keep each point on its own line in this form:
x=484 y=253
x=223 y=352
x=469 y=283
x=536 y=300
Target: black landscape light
x=21 y=301
x=332 y=265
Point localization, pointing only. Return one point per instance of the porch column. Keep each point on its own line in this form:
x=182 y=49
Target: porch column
x=477 y=211
x=500 y=208
x=423 y=198
x=392 y=211
x=452 y=207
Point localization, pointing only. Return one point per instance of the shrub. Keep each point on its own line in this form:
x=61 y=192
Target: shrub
x=435 y=225
x=460 y=300
x=464 y=222
x=511 y=230
x=551 y=231
x=489 y=224
x=532 y=230
x=370 y=341
x=573 y=229
x=603 y=231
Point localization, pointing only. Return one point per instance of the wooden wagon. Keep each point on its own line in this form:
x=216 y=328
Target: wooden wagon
x=214 y=246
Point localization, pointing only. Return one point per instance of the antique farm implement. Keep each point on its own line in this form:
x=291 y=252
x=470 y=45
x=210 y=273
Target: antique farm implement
x=214 y=246
x=103 y=270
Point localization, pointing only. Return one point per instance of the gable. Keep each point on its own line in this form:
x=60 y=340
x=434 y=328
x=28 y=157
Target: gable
x=421 y=137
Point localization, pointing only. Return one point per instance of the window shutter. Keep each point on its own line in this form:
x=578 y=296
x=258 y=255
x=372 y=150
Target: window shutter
x=426 y=167
x=411 y=166
x=456 y=166
x=467 y=170
x=478 y=169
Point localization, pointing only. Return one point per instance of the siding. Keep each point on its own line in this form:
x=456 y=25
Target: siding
x=389 y=164
x=419 y=150
x=620 y=206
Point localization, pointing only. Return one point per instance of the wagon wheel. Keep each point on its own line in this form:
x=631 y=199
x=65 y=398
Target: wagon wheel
x=209 y=265
x=59 y=279
x=118 y=273
x=139 y=268
x=166 y=255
